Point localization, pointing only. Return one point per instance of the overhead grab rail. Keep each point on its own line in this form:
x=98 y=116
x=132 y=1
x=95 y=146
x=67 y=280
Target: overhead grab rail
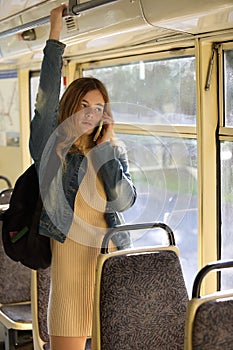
x=74 y=9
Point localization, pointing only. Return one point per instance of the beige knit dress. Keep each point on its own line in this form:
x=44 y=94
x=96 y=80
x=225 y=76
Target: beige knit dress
x=74 y=262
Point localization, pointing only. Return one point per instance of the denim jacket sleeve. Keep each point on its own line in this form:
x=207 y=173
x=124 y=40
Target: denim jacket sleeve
x=45 y=118
x=112 y=164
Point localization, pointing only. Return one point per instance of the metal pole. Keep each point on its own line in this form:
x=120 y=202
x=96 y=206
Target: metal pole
x=73 y=10
x=79 y=8
x=24 y=27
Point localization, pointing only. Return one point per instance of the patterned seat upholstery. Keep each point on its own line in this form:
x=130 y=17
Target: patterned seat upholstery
x=5 y=196
x=209 y=323
x=40 y=298
x=140 y=300
x=213 y=325
x=15 y=305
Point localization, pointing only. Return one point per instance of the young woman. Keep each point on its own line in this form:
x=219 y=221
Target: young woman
x=89 y=187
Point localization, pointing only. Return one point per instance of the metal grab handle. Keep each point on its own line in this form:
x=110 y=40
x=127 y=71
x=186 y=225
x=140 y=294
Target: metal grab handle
x=7 y=181
x=139 y=226
x=74 y=9
x=217 y=265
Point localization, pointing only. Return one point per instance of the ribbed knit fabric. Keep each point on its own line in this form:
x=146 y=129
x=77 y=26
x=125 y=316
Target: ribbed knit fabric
x=74 y=262
x=89 y=224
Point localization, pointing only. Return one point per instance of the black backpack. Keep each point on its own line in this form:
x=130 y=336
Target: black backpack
x=21 y=239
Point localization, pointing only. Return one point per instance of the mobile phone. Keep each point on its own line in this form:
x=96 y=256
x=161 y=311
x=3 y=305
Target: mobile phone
x=98 y=131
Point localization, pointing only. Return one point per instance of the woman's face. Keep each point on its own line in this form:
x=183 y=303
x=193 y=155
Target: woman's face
x=91 y=111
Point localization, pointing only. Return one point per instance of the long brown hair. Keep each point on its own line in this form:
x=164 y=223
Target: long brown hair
x=70 y=104
x=71 y=100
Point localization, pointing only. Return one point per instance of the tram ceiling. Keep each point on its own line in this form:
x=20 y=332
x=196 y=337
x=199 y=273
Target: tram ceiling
x=98 y=25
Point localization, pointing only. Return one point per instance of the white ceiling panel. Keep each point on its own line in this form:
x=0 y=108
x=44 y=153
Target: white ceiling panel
x=120 y=23
x=11 y=7
x=195 y=17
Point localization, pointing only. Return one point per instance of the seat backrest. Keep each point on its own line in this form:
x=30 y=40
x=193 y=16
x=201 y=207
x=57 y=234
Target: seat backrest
x=15 y=279
x=15 y=308
x=40 y=298
x=5 y=196
x=209 y=319
x=140 y=299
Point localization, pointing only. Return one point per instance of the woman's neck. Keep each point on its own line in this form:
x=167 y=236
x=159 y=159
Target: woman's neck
x=83 y=144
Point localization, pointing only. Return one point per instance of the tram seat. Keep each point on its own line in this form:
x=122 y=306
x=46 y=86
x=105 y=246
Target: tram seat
x=209 y=320
x=140 y=296
x=6 y=180
x=5 y=194
x=40 y=297
x=15 y=305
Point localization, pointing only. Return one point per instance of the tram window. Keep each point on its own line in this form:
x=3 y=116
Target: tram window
x=34 y=82
x=228 y=78
x=226 y=209
x=167 y=87
x=9 y=109
x=226 y=156
x=164 y=170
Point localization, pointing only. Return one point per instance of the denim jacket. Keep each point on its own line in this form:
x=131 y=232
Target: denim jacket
x=59 y=194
